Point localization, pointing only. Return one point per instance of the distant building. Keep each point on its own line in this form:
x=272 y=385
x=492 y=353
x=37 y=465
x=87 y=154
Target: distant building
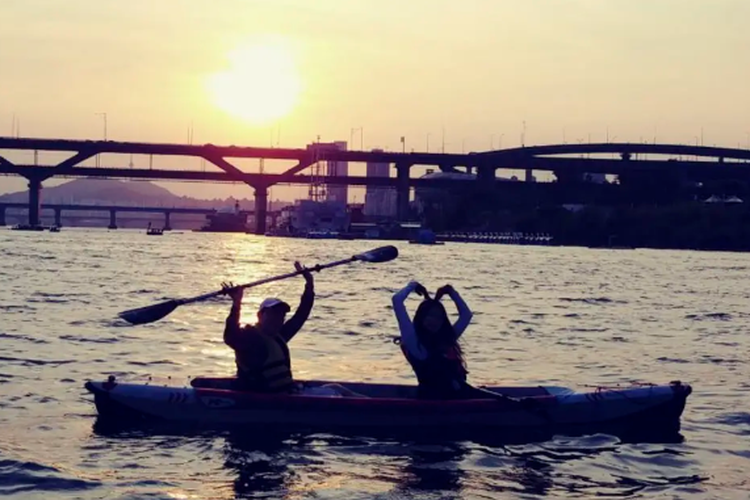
x=380 y=201
x=314 y=216
x=226 y=220
x=445 y=204
x=440 y=199
x=334 y=192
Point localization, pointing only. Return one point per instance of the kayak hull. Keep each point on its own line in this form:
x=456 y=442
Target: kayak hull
x=393 y=409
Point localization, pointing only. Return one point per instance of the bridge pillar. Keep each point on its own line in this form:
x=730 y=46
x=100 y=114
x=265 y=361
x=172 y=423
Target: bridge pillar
x=261 y=208
x=529 y=175
x=58 y=217
x=167 y=225
x=2 y=215
x=112 y=219
x=402 y=191
x=35 y=191
x=486 y=175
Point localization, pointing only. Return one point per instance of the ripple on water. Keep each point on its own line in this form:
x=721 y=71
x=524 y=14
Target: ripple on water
x=12 y=308
x=20 y=477
x=26 y=338
x=36 y=362
x=592 y=300
x=714 y=316
x=92 y=339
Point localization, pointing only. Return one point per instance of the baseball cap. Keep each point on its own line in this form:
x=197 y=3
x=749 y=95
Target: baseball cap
x=273 y=302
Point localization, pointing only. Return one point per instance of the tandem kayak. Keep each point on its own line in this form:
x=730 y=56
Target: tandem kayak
x=391 y=407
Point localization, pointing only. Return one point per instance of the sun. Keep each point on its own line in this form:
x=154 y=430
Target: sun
x=261 y=84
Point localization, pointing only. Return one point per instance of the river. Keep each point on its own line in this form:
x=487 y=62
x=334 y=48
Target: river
x=575 y=317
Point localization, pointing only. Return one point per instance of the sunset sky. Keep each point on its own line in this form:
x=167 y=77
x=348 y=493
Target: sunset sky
x=477 y=69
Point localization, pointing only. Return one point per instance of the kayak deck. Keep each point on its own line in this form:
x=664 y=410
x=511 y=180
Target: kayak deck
x=389 y=391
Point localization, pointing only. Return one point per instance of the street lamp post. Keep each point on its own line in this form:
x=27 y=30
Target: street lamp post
x=361 y=137
x=104 y=116
x=695 y=157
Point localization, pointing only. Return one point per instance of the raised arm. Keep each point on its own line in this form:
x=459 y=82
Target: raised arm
x=307 y=300
x=232 y=324
x=408 y=335
x=464 y=313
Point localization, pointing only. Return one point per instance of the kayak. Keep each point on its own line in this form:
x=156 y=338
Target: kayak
x=392 y=407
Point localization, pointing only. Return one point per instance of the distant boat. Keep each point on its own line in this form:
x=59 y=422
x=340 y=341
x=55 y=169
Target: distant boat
x=153 y=231
x=26 y=227
x=417 y=242
x=323 y=235
x=426 y=237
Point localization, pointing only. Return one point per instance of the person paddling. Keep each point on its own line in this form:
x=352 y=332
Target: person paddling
x=261 y=351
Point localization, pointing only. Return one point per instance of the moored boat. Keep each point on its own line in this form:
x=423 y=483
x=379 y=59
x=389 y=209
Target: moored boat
x=27 y=227
x=390 y=407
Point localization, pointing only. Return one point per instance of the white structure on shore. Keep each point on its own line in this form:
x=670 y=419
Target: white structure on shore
x=333 y=192
x=380 y=201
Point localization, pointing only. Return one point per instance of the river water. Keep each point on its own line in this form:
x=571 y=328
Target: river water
x=565 y=316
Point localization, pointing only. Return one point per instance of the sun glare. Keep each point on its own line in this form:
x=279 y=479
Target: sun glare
x=260 y=85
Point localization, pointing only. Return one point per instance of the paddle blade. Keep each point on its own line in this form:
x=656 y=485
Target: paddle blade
x=381 y=254
x=149 y=314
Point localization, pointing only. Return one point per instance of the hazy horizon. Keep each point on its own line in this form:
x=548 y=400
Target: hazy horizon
x=668 y=70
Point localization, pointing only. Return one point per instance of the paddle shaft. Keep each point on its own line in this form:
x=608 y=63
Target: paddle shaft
x=318 y=267
x=149 y=314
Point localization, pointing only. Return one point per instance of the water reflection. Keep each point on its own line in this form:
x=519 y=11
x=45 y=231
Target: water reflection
x=433 y=467
x=260 y=463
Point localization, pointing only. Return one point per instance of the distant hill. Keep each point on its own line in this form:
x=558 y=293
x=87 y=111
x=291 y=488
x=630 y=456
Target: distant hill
x=126 y=193
x=99 y=192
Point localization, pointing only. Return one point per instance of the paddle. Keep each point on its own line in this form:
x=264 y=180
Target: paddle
x=527 y=404
x=155 y=312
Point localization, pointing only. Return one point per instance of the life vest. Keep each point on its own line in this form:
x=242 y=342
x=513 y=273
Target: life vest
x=273 y=373
x=440 y=376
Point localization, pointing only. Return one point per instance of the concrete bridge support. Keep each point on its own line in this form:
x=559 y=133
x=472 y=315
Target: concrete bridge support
x=402 y=192
x=35 y=192
x=112 y=219
x=167 y=224
x=58 y=217
x=2 y=216
x=261 y=209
